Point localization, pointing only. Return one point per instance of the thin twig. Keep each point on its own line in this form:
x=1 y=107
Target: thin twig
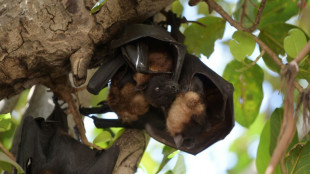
x=253 y=4
x=243 y=12
x=258 y=16
x=272 y=54
x=252 y=63
x=302 y=54
x=195 y=22
x=213 y=5
x=8 y=153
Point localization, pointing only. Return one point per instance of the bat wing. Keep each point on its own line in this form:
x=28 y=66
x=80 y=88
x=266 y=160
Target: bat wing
x=135 y=52
x=31 y=155
x=106 y=162
x=105 y=72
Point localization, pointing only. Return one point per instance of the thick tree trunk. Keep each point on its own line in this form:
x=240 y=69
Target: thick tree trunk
x=43 y=40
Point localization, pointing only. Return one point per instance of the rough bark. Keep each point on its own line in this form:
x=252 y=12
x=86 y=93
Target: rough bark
x=43 y=40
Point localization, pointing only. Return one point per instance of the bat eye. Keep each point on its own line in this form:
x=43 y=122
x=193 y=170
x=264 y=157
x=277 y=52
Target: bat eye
x=174 y=88
x=157 y=89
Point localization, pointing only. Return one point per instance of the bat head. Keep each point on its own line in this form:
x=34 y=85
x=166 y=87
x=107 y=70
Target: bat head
x=161 y=91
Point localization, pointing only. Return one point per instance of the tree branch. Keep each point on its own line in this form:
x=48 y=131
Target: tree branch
x=8 y=153
x=272 y=54
x=288 y=126
x=258 y=16
x=302 y=54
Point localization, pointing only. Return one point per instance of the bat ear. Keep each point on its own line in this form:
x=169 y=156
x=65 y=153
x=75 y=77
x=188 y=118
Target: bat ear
x=178 y=140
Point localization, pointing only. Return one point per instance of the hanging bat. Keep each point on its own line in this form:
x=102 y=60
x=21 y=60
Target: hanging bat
x=46 y=148
x=210 y=121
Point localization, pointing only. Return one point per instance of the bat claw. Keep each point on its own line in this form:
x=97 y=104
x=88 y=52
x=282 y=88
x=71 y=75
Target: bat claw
x=178 y=140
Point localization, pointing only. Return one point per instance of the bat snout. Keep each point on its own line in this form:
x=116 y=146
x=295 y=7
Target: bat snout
x=174 y=88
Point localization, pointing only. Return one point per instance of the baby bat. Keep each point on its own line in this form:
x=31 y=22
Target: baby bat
x=46 y=148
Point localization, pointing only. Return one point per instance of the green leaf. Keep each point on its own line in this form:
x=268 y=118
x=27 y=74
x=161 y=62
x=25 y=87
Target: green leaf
x=177 y=8
x=294 y=42
x=273 y=36
x=98 y=98
x=304 y=73
x=248 y=93
x=6 y=164
x=5 y=122
x=263 y=152
x=118 y=132
x=250 y=12
x=148 y=163
x=278 y=11
x=241 y=45
x=168 y=153
x=297 y=160
x=97 y=6
x=203 y=8
x=169 y=172
x=102 y=139
x=179 y=167
x=199 y=39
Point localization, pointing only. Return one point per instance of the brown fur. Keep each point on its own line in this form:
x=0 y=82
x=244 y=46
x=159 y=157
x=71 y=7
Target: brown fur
x=185 y=108
x=160 y=59
x=127 y=103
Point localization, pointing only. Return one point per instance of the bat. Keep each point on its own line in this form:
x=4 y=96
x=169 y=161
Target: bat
x=46 y=148
x=213 y=95
x=146 y=49
x=198 y=115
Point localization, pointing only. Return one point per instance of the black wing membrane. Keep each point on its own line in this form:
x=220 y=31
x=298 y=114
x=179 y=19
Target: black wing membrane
x=47 y=148
x=105 y=72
